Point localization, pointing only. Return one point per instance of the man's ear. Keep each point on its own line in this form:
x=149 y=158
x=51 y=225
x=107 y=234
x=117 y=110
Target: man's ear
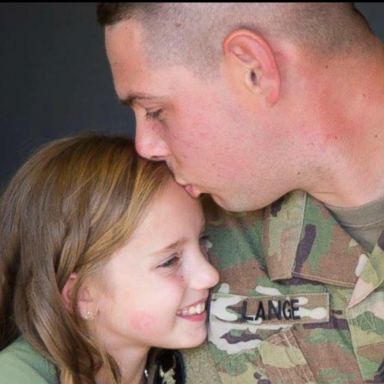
x=85 y=303
x=251 y=59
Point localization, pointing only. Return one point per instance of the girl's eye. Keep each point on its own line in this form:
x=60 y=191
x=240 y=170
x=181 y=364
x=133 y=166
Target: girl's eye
x=205 y=244
x=153 y=115
x=173 y=261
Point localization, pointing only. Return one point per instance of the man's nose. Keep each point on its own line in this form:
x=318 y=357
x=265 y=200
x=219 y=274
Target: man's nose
x=150 y=144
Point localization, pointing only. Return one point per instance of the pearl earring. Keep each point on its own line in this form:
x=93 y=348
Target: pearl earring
x=88 y=315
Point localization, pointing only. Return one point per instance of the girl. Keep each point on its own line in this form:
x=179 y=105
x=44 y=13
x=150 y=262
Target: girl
x=102 y=257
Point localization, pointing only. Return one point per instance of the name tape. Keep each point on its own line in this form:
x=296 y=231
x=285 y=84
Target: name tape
x=298 y=308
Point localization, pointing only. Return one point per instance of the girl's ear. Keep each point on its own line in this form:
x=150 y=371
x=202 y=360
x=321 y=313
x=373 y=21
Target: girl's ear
x=85 y=303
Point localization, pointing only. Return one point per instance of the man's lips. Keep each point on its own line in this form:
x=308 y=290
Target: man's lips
x=189 y=188
x=192 y=191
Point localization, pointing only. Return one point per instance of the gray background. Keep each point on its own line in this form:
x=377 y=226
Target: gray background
x=55 y=78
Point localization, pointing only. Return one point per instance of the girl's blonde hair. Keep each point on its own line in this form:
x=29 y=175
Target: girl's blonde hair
x=67 y=209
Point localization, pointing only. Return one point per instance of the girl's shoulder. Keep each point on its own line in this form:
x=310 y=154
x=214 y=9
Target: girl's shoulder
x=20 y=363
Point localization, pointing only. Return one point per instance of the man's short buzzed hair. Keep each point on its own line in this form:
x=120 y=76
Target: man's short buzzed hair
x=192 y=33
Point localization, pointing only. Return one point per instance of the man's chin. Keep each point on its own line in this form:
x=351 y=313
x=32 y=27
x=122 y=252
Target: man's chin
x=222 y=203
x=231 y=205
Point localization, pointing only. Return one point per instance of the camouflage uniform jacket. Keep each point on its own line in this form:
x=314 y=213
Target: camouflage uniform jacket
x=299 y=300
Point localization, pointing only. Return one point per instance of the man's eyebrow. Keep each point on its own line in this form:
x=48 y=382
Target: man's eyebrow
x=171 y=247
x=131 y=98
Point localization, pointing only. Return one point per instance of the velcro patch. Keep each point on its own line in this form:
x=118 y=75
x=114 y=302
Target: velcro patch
x=298 y=308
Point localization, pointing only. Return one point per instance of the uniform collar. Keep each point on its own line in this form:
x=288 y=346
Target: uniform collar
x=372 y=275
x=301 y=239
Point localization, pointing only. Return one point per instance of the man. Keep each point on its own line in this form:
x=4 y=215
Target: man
x=278 y=109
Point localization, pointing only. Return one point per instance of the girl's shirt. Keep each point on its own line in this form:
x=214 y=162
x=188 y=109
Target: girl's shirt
x=20 y=363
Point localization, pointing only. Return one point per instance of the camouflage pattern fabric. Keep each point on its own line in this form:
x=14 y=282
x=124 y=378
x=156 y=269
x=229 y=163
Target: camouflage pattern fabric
x=299 y=301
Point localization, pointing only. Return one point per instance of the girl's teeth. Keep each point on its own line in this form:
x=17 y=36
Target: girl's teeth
x=193 y=310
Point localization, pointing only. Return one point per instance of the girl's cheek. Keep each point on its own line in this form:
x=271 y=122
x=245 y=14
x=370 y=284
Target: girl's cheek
x=144 y=322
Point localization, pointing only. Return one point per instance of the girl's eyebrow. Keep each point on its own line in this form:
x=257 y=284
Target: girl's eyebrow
x=172 y=246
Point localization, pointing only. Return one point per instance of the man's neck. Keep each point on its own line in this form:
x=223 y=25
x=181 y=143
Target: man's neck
x=351 y=154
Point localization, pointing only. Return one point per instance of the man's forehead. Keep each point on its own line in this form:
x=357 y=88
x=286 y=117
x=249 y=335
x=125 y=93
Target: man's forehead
x=124 y=35
x=134 y=77
x=125 y=55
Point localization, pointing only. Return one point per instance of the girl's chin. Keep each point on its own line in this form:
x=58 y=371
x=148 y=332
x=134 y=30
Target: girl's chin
x=193 y=341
